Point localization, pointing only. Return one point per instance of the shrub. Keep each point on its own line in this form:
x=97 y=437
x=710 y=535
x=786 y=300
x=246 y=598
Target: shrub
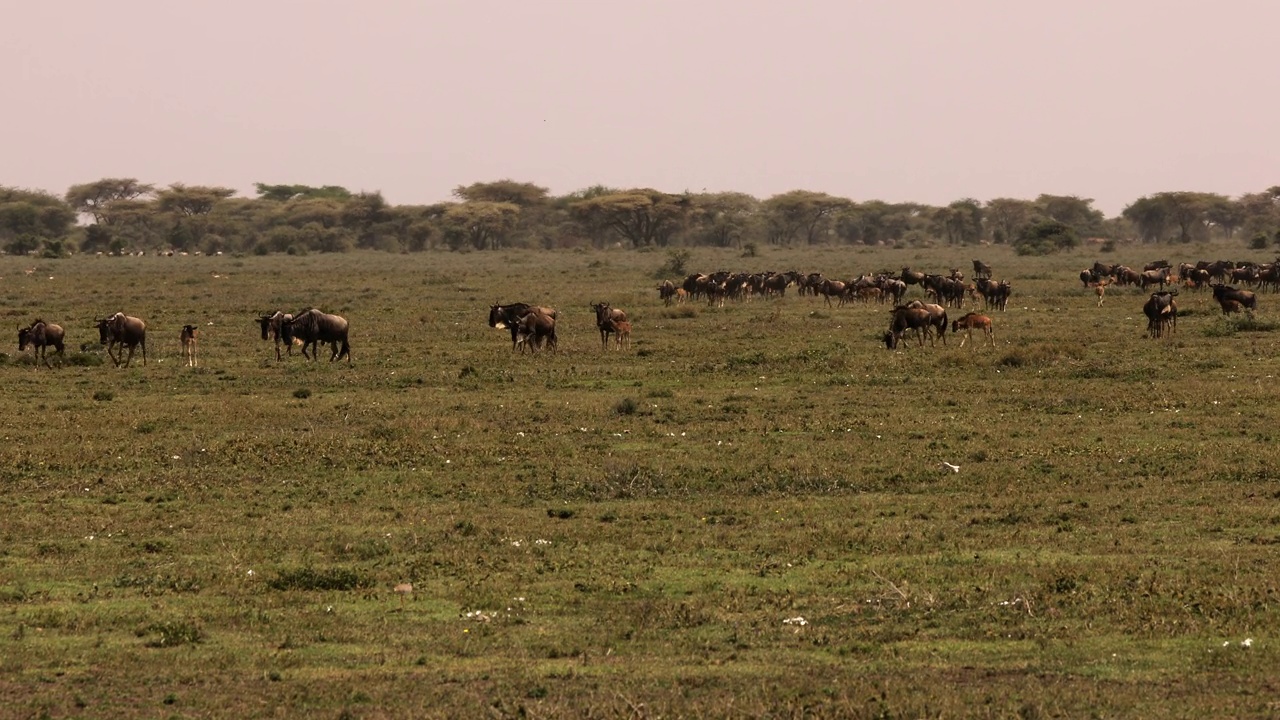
x=174 y=633
x=626 y=406
x=103 y=395
x=302 y=393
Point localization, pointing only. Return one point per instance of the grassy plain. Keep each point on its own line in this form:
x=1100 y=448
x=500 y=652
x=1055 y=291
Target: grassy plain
x=607 y=534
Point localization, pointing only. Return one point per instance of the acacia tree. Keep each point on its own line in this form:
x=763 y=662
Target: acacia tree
x=283 y=193
x=1006 y=217
x=1150 y=217
x=482 y=224
x=187 y=207
x=960 y=222
x=532 y=200
x=30 y=218
x=721 y=219
x=1071 y=210
x=93 y=198
x=800 y=213
x=644 y=217
x=1189 y=211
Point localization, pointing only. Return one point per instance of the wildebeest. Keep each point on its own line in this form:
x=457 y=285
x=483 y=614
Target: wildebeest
x=604 y=314
x=190 y=337
x=1246 y=298
x=507 y=317
x=1230 y=306
x=1157 y=276
x=971 y=321
x=907 y=317
x=1162 y=314
x=666 y=292
x=40 y=335
x=981 y=269
x=536 y=329
x=126 y=331
x=273 y=328
x=313 y=327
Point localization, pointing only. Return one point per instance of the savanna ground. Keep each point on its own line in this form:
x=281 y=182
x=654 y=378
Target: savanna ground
x=634 y=533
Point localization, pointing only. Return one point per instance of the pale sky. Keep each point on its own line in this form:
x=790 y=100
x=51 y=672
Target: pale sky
x=926 y=101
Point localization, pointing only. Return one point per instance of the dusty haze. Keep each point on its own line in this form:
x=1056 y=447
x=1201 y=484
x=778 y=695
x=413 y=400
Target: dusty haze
x=922 y=101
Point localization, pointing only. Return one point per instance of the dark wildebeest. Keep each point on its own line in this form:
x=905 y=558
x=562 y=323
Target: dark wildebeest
x=126 y=331
x=273 y=328
x=911 y=277
x=313 y=327
x=40 y=335
x=666 y=292
x=1246 y=298
x=971 y=321
x=1162 y=314
x=504 y=317
x=981 y=269
x=190 y=337
x=604 y=313
x=536 y=329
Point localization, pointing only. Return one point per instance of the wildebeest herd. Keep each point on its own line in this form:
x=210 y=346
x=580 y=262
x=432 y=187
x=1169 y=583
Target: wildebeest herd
x=1161 y=308
x=533 y=327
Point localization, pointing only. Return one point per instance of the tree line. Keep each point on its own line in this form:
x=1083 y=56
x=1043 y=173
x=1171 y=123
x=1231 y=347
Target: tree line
x=123 y=215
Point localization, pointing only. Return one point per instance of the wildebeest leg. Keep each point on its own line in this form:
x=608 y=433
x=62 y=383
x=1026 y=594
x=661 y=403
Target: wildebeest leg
x=114 y=358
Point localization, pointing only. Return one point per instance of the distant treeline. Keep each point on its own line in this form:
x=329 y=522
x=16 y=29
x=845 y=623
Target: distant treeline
x=122 y=215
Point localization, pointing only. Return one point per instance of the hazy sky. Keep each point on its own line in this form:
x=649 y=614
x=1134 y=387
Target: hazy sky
x=895 y=100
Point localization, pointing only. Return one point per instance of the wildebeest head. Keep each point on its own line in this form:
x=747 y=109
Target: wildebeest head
x=104 y=331
x=265 y=322
x=24 y=334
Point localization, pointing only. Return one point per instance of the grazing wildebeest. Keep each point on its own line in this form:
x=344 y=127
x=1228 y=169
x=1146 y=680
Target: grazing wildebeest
x=190 y=338
x=971 y=321
x=1246 y=298
x=274 y=329
x=313 y=327
x=1162 y=314
x=536 y=329
x=904 y=318
x=126 y=331
x=604 y=313
x=40 y=335
x=981 y=269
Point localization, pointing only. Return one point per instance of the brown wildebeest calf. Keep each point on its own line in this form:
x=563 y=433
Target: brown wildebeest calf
x=971 y=321
x=621 y=330
x=190 y=338
x=40 y=335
